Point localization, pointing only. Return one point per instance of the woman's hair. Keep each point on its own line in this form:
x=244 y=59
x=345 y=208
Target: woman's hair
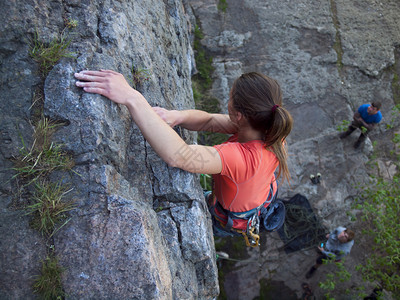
x=259 y=99
x=350 y=234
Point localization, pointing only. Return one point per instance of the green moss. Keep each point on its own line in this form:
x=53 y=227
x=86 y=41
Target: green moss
x=337 y=46
x=236 y=248
x=339 y=51
x=396 y=82
x=203 y=100
x=265 y=288
x=222 y=5
x=201 y=85
x=203 y=61
x=221 y=278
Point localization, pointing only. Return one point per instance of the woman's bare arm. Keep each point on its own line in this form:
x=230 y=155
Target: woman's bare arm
x=163 y=139
x=197 y=120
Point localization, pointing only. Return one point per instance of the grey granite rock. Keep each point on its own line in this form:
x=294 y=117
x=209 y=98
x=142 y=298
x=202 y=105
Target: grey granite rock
x=117 y=245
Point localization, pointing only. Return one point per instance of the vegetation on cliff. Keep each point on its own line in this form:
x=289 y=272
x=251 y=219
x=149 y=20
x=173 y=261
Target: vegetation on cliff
x=377 y=210
x=44 y=200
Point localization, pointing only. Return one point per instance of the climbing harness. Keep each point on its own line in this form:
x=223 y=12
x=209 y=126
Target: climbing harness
x=270 y=215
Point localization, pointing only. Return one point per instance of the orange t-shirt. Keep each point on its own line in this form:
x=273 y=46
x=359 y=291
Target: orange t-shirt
x=247 y=172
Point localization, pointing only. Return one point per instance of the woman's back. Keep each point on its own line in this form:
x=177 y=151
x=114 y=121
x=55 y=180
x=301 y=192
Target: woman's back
x=247 y=172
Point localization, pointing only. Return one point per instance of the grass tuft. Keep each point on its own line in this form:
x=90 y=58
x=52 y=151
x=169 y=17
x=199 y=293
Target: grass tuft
x=43 y=157
x=49 y=208
x=48 y=54
x=139 y=76
x=34 y=165
x=48 y=283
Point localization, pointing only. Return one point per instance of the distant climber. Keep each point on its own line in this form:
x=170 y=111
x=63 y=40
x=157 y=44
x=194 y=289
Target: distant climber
x=366 y=118
x=243 y=167
x=338 y=245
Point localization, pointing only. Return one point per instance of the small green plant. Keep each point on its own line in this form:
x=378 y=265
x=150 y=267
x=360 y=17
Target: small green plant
x=49 y=208
x=160 y=208
x=395 y=113
x=343 y=126
x=396 y=138
x=44 y=129
x=222 y=5
x=48 y=54
x=70 y=23
x=332 y=279
x=48 y=283
x=363 y=129
x=396 y=83
x=139 y=76
x=329 y=283
x=352 y=216
x=206 y=182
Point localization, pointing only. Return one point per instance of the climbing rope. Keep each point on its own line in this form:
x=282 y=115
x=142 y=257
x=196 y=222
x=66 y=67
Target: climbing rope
x=225 y=256
x=301 y=222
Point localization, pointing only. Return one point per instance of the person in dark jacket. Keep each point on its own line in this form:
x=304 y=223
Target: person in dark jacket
x=338 y=245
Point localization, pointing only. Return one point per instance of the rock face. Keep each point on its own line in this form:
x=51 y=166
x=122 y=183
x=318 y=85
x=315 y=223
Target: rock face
x=329 y=57
x=140 y=230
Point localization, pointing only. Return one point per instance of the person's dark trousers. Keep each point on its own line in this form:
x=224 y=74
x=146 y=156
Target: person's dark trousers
x=354 y=125
x=318 y=263
x=321 y=258
x=363 y=135
x=361 y=139
x=349 y=131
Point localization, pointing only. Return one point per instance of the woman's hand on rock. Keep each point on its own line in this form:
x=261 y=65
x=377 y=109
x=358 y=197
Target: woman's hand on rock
x=107 y=83
x=171 y=117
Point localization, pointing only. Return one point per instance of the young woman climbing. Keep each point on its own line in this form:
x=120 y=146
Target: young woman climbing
x=243 y=167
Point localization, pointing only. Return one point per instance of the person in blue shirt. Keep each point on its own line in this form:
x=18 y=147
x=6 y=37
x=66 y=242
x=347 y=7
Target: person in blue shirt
x=367 y=116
